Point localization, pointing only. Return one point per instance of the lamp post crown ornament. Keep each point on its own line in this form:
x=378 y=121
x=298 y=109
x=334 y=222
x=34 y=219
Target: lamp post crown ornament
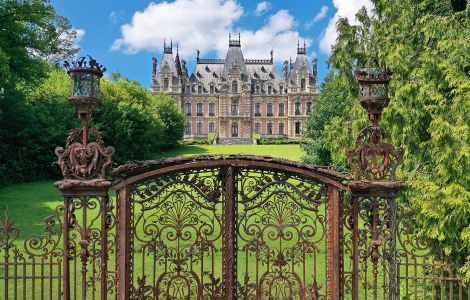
x=84 y=157
x=374 y=158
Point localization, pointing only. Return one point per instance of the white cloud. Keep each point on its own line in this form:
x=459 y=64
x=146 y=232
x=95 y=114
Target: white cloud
x=262 y=7
x=196 y=24
x=346 y=9
x=80 y=35
x=116 y=17
x=278 y=33
x=321 y=14
x=204 y=25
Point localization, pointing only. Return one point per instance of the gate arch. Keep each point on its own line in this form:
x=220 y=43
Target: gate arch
x=272 y=223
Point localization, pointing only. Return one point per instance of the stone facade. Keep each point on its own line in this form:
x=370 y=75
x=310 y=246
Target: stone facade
x=237 y=97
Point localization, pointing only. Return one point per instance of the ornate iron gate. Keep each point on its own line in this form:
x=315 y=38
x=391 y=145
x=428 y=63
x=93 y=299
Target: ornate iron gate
x=236 y=227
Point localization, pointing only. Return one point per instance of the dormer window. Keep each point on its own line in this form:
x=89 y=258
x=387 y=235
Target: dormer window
x=258 y=89
x=256 y=75
x=211 y=89
x=198 y=74
x=166 y=84
x=281 y=88
x=263 y=69
x=270 y=89
x=199 y=89
x=234 y=87
x=207 y=69
x=215 y=75
x=302 y=84
x=271 y=75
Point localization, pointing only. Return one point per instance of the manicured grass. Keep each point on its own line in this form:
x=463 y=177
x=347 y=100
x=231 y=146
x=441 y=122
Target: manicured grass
x=30 y=203
x=292 y=152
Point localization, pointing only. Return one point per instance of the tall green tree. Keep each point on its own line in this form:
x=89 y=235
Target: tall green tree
x=425 y=44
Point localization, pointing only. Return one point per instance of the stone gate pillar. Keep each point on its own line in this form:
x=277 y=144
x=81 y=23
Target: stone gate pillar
x=374 y=190
x=84 y=163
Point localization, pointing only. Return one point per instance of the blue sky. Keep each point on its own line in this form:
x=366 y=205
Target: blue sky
x=125 y=35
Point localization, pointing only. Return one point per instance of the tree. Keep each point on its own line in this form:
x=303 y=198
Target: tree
x=172 y=119
x=426 y=46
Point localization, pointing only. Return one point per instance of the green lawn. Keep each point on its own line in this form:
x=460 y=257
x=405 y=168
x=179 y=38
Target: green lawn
x=29 y=203
x=292 y=152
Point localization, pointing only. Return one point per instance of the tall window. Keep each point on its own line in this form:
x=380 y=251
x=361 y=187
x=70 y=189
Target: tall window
x=257 y=128
x=302 y=84
x=188 y=89
x=270 y=109
x=309 y=107
x=257 y=109
x=199 y=128
x=281 y=89
x=166 y=84
x=234 y=107
x=297 y=108
x=211 y=109
x=211 y=89
x=297 y=128
x=187 y=128
x=199 y=109
x=258 y=89
x=270 y=128
x=270 y=89
x=281 y=109
x=199 y=89
x=187 y=108
x=211 y=127
x=234 y=87
x=281 y=128
x=234 y=129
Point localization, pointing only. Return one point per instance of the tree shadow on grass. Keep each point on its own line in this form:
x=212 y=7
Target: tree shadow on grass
x=181 y=150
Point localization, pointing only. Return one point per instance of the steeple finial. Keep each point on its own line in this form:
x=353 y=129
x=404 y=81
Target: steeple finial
x=197 y=52
x=167 y=49
x=272 y=55
x=234 y=42
x=301 y=50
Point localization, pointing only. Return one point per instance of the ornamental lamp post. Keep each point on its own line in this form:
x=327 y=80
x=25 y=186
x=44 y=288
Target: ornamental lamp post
x=85 y=163
x=374 y=188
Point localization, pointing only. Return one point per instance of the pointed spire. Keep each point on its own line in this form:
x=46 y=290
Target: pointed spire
x=301 y=50
x=177 y=61
x=272 y=55
x=197 y=52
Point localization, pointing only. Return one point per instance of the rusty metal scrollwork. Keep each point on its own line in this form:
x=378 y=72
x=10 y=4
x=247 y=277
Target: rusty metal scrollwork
x=82 y=160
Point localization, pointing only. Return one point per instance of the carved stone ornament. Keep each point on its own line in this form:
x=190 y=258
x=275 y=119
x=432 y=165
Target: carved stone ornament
x=84 y=161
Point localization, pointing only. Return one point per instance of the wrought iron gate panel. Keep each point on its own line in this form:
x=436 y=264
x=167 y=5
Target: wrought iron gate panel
x=369 y=249
x=176 y=236
x=91 y=247
x=281 y=236
x=31 y=266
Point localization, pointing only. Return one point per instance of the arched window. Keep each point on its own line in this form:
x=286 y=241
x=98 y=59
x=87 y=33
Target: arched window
x=234 y=129
x=257 y=89
x=234 y=87
x=270 y=89
x=302 y=84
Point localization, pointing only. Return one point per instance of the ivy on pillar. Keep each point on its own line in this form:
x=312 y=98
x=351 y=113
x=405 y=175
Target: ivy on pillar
x=374 y=188
x=85 y=162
